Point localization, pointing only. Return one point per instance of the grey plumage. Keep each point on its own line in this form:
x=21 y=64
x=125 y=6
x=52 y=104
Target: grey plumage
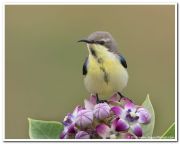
x=104 y=38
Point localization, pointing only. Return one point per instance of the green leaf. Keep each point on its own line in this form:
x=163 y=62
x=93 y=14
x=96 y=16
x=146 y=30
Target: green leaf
x=39 y=129
x=148 y=128
x=169 y=133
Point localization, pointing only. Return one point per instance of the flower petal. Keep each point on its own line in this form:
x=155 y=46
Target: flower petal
x=76 y=110
x=144 y=115
x=90 y=103
x=82 y=135
x=68 y=119
x=71 y=129
x=103 y=130
x=120 y=125
x=117 y=110
x=126 y=100
x=115 y=97
x=62 y=135
x=93 y=99
x=130 y=107
x=137 y=130
x=127 y=136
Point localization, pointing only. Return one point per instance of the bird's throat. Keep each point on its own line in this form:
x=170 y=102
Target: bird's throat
x=100 y=55
x=99 y=52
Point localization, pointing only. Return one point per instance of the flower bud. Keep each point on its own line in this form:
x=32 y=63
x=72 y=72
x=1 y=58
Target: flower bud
x=103 y=130
x=82 y=135
x=101 y=111
x=84 y=118
x=144 y=115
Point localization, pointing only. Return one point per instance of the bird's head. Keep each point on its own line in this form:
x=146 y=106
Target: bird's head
x=102 y=38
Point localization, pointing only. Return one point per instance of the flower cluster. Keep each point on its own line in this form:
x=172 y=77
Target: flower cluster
x=115 y=119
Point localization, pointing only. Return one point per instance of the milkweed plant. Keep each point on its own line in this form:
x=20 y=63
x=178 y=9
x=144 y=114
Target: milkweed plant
x=117 y=118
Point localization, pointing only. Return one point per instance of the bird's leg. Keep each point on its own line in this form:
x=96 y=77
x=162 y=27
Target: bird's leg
x=98 y=100
x=122 y=96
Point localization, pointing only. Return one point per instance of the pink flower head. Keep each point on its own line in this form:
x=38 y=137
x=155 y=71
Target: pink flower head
x=84 y=118
x=116 y=118
x=101 y=111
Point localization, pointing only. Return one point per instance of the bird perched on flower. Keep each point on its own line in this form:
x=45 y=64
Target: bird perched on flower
x=105 y=69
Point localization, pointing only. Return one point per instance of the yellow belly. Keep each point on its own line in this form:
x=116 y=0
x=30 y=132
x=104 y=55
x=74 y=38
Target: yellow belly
x=94 y=80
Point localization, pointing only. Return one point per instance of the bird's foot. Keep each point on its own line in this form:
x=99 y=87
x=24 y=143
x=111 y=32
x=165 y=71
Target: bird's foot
x=124 y=97
x=100 y=101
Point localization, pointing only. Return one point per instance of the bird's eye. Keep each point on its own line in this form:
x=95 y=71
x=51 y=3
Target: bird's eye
x=101 y=42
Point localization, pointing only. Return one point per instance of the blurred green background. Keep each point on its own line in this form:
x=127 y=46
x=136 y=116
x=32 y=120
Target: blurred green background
x=43 y=61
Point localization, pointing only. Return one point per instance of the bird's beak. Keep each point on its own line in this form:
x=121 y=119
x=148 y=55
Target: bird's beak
x=84 y=40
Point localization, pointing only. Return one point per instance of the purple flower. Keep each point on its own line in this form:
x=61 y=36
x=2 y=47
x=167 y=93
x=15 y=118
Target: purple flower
x=130 y=112
x=120 y=125
x=103 y=130
x=69 y=123
x=69 y=130
x=101 y=111
x=70 y=118
x=133 y=115
x=82 y=135
x=144 y=115
x=117 y=110
x=84 y=118
x=118 y=118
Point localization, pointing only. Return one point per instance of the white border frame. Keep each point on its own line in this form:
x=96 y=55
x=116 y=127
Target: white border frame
x=91 y=140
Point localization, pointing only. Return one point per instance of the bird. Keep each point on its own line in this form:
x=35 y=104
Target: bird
x=105 y=68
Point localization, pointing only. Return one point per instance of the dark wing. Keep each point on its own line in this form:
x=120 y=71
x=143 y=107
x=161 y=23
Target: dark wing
x=85 y=67
x=123 y=61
